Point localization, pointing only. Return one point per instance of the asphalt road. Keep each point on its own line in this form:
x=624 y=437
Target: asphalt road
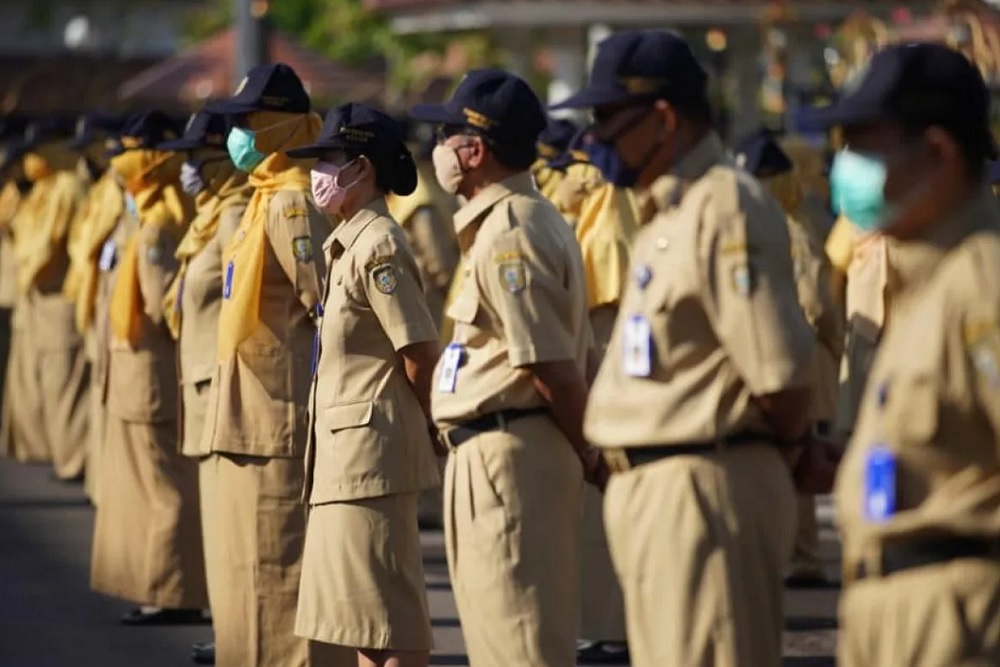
x=49 y=617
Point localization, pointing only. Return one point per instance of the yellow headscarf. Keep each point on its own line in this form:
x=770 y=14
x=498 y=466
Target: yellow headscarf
x=243 y=259
x=226 y=187
x=43 y=221
x=152 y=179
x=99 y=217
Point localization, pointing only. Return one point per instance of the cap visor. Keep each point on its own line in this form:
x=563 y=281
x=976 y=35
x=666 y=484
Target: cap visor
x=592 y=97
x=234 y=106
x=842 y=113
x=435 y=113
x=181 y=144
x=315 y=150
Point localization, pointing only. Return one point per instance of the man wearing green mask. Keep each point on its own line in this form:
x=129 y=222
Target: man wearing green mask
x=919 y=487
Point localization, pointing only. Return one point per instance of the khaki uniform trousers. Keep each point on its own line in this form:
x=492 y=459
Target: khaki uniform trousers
x=24 y=431
x=512 y=522
x=943 y=614
x=147 y=534
x=602 y=607
x=806 y=559
x=700 y=544
x=254 y=535
x=96 y=421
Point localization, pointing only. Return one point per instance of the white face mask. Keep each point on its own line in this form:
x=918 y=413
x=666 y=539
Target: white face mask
x=447 y=168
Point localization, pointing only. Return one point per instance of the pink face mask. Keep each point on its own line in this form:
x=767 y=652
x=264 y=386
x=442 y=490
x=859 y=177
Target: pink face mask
x=326 y=188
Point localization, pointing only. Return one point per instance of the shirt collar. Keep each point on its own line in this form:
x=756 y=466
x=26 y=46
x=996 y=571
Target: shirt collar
x=668 y=189
x=490 y=196
x=348 y=232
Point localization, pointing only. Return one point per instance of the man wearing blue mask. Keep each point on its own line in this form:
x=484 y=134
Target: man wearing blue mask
x=919 y=486
x=704 y=393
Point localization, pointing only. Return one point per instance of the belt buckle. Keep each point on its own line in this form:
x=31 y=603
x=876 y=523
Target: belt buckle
x=616 y=459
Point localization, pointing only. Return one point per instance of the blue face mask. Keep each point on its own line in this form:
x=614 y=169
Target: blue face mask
x=856 y=190
x=243 y=150
x=605 y=157
x=130 y=206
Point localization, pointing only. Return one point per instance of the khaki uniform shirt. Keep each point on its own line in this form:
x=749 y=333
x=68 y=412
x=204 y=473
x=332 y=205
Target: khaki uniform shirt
x=258 y=400
x=200 y=303
x=369 y=435
x=933 y=399
x=142 y=378
x=111 y=254
x=522 y=300
x=714 y=283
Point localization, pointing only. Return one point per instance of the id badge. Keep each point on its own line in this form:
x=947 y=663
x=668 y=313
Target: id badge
x=109 y=253
x=227 y=289
x=450 y=362
x=880 y=484
x=637 y=358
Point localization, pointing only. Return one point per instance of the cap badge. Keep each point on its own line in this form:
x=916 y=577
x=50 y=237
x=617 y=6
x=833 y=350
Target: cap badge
x=356 y=135
x=476 y=119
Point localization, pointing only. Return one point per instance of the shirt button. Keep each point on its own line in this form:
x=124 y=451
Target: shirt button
x=662 y=243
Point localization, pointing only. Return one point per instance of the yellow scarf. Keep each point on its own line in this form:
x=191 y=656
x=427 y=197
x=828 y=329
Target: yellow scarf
x=152 y=178
x=547 y=179
x=243 y=259
x=99 y=217
x=227 y=187
x=10 y=200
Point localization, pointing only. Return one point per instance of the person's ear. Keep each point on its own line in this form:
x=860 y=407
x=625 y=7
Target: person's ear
x=666 y=115
x=476 y=153
x=941 y=149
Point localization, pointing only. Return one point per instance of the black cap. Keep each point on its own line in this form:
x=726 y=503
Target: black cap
x=145 y=131
x=496 y=104
x=555 y=138
x=993 y=172
x=575 y=152
x=49 y=128
x=761 y=155
x=355 y=128
x=93 y=126
x=926 y=84
x=204 y=130
x=266 y=88
x=641 y=65
x=13 y=126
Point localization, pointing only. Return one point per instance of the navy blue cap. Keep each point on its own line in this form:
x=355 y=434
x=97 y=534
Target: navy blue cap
x=266 y=88
x=761 y=155
x=638 y=66
x=13 y=126
x=927 y=84
x=555 y=138
x=575 y=152
x=49 y=128
x=145 y=131
x=993 y=172
x=356 y=128
x=495 y=104
x=93 y=126
x=204 y=130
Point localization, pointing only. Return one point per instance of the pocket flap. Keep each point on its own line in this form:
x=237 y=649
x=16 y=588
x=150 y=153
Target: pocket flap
x=351 y=415
x=464 y=308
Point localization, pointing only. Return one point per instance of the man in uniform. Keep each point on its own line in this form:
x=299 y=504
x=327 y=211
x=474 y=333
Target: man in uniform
x=919 y=488
x=705 y=389
x=510 y=389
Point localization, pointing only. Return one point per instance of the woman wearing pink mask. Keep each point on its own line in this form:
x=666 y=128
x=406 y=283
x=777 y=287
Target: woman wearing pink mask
x=370 y=450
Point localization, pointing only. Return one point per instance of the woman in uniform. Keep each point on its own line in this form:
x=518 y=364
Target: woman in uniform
x=147 y=535
x=371 y=452
x=255 y=427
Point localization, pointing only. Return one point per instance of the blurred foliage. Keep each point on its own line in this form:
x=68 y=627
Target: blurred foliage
x=348 y=33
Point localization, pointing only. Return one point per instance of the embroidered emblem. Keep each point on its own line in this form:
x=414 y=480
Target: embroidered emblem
x=302 y=248
x=154 y=254
x=742 y=280
x=643 y=275
x=295 y=213
x=514 y=276
x=385 y=279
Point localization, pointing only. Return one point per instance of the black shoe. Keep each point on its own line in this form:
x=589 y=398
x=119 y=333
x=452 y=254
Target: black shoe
x=203 y=654
x=603 y=653
x=164 y=617
x=810 y=582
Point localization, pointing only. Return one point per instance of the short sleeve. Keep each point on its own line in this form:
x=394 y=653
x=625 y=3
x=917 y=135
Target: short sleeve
x=391 y=283
x=290 y=231
x=979 y=338
x=157 y=267
x=746 y=263
x=526 y=281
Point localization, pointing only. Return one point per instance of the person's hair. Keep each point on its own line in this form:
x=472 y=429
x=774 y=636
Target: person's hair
x=697 y=108
x=972 y=145
x=395 y=170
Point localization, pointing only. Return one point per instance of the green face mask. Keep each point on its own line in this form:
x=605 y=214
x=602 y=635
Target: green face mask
x=857 y=181
x=241 y=144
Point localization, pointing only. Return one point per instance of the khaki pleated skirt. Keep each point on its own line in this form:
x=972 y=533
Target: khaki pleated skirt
x=65 y=384
x=363 y=576
x=147 y=534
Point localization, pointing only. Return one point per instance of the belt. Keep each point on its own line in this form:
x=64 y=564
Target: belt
x=901 y=556
x=625 y=458
x=494 y=421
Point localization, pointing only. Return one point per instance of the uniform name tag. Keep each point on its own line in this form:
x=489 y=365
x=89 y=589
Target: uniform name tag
x=880 y=484
x=637 y=352
x=227 y=288
x=450 y=362
x=109 y=253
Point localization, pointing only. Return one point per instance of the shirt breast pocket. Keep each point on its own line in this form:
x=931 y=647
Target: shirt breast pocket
x=463 y=311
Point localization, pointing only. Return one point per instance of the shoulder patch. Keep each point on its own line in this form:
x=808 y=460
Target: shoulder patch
x=154 y=254
x=378 y=261
x=302 y=249
x=982 y=341
x=514 y=274
x=296 y=212
x=384 y=277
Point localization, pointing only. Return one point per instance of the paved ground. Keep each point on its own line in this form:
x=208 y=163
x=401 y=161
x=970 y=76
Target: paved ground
x=49 y=618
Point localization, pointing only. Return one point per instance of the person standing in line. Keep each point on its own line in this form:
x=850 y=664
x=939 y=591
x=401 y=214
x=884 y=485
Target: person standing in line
x=703 y=398
x=370 y=451
x=510 y=388
x=256 y=421
x=147 y=533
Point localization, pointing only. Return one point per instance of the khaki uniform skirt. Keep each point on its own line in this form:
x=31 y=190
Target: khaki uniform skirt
x=147 y=535
x=24 y=430
x=363 y=576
